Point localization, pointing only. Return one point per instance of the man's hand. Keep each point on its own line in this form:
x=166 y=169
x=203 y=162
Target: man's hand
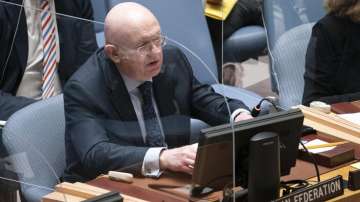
x=243 y=116
x=180 y=159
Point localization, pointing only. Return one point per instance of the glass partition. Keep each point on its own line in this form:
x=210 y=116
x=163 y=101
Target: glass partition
x=94 y=125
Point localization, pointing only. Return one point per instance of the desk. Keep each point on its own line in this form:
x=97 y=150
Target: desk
x=179 y=193
x=303 y=170
x=139 y=188
x=346 y=107
x=306 y=170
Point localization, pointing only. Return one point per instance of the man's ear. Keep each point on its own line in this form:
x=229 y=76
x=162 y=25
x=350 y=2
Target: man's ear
x=112 y=53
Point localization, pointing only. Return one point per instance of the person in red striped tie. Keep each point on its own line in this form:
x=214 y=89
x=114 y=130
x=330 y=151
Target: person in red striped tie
x=39 y=52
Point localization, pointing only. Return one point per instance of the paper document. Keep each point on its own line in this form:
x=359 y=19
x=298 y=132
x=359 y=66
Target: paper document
x=317 y=142
x=352 y=117
x=219 y=12
x=2 y=123
x=356 y=165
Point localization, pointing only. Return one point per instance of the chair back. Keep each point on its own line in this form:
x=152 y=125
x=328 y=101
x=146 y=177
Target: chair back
x=100 y=9
x=280 y=16
x=34 y=139
x=289 y=64
x=283 y=15
x=183 y=21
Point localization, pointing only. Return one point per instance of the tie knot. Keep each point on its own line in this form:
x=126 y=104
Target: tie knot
x=146 y=88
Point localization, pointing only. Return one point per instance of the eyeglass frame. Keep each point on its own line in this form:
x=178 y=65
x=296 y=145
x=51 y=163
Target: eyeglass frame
x=147 y=47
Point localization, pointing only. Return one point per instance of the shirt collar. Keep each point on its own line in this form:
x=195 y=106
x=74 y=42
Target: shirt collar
x=132 y=84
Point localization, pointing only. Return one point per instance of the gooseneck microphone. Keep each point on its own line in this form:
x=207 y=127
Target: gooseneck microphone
x=257 y=109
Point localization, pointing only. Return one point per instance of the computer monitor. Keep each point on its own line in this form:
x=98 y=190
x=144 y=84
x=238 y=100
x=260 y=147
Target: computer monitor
x=214 y=160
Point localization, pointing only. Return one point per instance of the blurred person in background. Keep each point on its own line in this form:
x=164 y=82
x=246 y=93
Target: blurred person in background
x=244 y=13
x=39 y=51
x=333 y=56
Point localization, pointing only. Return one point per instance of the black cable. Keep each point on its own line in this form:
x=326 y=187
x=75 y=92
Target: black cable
x=314 y=161
x=256 y=110
x=293 y=185
x=230 y=195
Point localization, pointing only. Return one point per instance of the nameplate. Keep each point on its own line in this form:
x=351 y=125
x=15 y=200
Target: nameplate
x=319 y=192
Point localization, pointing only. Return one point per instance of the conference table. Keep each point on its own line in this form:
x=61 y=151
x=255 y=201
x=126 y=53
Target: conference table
x=175 y=186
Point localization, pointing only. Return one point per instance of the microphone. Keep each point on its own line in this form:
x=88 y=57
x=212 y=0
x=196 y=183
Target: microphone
x=257 y=109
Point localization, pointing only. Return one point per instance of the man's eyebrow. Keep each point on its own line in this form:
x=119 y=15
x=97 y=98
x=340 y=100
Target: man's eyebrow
x=146 y=40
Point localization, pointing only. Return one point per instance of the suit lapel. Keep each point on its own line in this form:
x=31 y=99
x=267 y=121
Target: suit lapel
x=121 y=101
x=164 y=94
x=174 y=124
x=119 y=95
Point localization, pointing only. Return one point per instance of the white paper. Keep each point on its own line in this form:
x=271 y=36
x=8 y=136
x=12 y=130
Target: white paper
x=2 y=123
x=356 y=165
x=352 y=117
x=317 y=142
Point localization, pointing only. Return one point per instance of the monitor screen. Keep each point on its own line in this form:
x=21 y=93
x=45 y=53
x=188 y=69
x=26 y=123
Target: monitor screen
x=214 y=160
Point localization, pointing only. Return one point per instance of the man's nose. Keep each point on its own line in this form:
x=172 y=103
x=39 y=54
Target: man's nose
x=154 y=48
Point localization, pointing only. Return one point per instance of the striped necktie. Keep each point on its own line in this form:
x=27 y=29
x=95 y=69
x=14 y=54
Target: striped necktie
x=48 y=33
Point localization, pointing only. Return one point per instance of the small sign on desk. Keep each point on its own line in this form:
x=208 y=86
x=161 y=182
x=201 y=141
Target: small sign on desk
x=322 y=191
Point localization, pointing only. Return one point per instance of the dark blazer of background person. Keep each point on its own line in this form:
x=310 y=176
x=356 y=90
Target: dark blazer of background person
x=77 y=42
x=102 y=132
x=333 y=61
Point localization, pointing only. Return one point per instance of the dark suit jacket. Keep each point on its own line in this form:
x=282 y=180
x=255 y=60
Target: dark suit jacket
x=102 y=132
x=333 y=61
x=77 y=43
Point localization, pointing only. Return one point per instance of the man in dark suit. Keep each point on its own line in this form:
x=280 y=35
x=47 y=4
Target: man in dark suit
x=19 y=54
x=76 y=39
x=129 y=106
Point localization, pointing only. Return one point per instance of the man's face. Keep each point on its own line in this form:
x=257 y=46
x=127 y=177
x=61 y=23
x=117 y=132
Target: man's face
x=141 y=51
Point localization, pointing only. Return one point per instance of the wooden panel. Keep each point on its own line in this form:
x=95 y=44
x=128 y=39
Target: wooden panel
x=75 y=192
x=331 y=124
x=346 y=107
x=61 y=197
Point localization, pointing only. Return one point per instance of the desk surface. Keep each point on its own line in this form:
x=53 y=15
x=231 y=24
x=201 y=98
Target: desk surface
x=303 y=170
x=180 y=191
x=306 y=170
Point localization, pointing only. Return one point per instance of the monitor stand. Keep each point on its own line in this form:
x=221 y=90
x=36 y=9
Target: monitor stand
x=264 y=167
x=264 y=170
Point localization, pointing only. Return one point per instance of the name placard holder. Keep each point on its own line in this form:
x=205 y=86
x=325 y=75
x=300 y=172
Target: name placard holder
x=322 y=191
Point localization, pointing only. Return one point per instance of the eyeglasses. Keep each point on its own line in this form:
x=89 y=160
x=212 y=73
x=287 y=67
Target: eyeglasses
x=148 y=47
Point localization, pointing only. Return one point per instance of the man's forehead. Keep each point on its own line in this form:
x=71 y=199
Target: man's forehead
x=143 y=35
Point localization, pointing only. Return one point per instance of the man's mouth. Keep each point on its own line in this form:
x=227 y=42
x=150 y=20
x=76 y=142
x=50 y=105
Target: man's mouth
x=152 y=63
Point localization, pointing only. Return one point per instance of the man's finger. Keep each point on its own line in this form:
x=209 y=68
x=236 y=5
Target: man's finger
x=190 y=155
x=189 y=162
x=186 y=169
